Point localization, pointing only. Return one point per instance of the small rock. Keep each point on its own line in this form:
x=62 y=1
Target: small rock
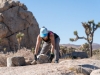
x=95 y=72
x=42 y=58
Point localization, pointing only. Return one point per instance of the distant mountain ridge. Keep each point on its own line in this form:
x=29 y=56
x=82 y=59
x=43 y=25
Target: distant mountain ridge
x=95 y=45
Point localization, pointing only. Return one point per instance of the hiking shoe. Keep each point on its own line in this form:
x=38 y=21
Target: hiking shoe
x=56 y=61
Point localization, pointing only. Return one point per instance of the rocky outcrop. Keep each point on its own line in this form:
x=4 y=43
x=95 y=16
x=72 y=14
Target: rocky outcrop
x=14 y=18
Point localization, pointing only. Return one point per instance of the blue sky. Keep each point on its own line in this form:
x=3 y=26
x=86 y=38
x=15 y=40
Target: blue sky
x=65 y=16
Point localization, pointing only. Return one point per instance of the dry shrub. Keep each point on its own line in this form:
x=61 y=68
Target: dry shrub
x=26 y=53
x=3 y=61
x=75 y=70
x=96 y=56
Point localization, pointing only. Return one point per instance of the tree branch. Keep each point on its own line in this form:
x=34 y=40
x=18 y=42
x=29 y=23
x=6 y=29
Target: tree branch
x=82 y=38
x=75 y=39
x=96 y=28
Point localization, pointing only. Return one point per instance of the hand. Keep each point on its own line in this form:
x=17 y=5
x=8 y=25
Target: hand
x=35 y=60
x=51 y=57
x=35 y=57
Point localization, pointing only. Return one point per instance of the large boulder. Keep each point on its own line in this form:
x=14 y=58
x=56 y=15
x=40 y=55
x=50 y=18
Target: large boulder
x=3 y=30
x=15 y=18
x=95 y=72
x=79 y=54
x=15 y=61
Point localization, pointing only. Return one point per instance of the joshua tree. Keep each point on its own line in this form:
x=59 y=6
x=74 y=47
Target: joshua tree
x=4 y=50
x=19 y=37
x=33 y=50
x=90 y=27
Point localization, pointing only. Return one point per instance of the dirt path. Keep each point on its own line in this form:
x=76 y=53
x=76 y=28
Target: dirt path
x=47 y=68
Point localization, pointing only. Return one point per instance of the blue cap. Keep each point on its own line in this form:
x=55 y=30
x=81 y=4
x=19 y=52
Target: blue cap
x=43 y=32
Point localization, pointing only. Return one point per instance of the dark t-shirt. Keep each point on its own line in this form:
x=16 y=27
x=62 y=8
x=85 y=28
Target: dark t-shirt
x=50 y=32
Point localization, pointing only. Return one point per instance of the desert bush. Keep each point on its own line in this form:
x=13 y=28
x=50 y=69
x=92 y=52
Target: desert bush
x=66 y=52
x=3 y=61
x=97 y=51
x=75 y=70
x=85 y=48
x=63 y=50
x=26 y=53
x=96 y=54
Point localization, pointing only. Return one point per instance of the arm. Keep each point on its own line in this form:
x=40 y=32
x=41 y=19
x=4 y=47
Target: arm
x=52 y=47
x=37 y=44
x=52 y=43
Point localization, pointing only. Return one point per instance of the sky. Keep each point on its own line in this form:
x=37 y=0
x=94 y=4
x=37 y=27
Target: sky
x=65 y=16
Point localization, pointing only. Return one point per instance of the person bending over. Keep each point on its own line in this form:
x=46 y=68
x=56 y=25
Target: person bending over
x=50 y=39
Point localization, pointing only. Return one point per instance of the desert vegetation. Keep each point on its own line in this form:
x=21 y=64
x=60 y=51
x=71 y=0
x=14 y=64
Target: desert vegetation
x=90 y=27
x=18 y=34
x=83 y=48
x=26 y=53
x=22 y=51
x=19 y=37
